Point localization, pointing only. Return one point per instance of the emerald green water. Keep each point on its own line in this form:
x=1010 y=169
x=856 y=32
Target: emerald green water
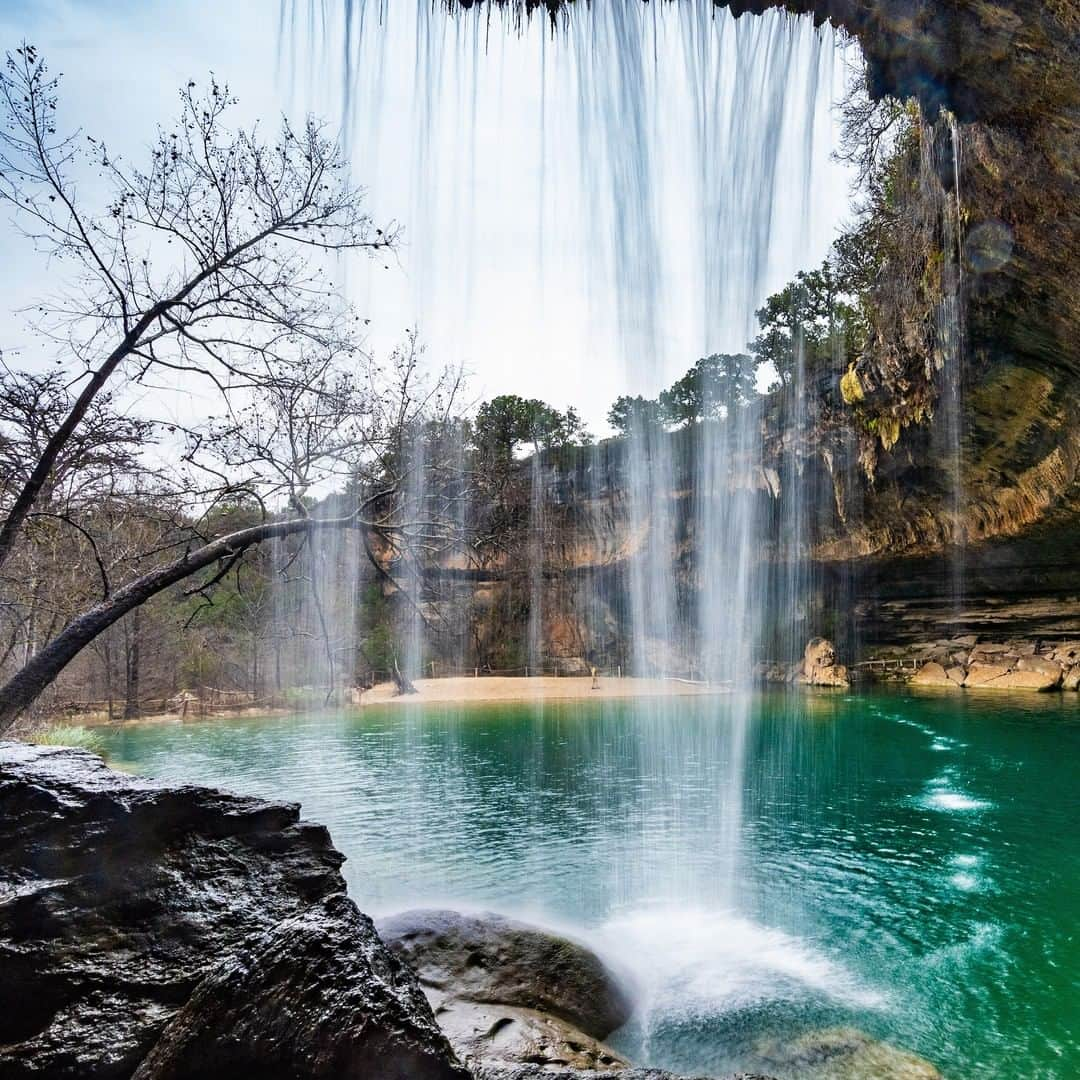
x=906 y=865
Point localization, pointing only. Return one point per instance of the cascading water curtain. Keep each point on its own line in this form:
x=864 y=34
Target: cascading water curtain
x=617 y=193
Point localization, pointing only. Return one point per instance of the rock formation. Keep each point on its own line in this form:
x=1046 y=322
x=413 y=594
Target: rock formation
x=819 y=666
x=510 y=994
x=1015 y=665
x=182 y=931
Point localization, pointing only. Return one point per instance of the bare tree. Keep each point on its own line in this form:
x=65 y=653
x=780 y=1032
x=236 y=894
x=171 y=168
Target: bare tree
x=212 y=260
x=320 y=437
x=206 y=260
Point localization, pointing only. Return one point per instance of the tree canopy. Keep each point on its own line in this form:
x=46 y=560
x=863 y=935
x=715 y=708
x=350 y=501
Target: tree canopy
x=506 y=423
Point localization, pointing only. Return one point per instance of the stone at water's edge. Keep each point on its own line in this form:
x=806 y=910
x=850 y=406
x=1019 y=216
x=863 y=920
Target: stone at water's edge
x=1009 y=666
x=933 y=674
x=129 y=908
x=819 y=666
x=511 y=993
x=490 y=958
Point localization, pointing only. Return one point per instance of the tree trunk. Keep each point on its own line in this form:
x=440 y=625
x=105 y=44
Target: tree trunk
x=131 y=694
x=39 y=477
x=403 y=682
x=28 y=683
x=107 y=655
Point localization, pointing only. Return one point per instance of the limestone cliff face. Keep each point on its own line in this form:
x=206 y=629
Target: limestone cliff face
x=980 y=299
x=946 y=457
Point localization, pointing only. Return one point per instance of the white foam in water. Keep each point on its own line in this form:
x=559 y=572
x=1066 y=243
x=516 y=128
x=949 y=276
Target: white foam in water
x=964 y=882
x=941 y=795
x=966 y=862
x=982 y=939
x=693 y=962
x=954 y=800
x=965 y=878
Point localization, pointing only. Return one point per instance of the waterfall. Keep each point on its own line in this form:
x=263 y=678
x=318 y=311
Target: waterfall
x=616 y=194
x=313 y=618
x=942 y=165
x=411 y=568
x=951 y=332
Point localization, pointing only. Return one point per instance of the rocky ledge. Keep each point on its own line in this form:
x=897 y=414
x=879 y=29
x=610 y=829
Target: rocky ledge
x=965 y=663
x=157 y=931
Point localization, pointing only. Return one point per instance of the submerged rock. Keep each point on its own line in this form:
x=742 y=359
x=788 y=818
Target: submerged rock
x=508 y=992
x=842 y=1054
x=131 y=908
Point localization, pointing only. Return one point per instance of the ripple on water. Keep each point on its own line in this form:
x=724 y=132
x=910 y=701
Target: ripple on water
x=965 y=876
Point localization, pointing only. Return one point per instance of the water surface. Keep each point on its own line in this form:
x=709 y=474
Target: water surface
x=906 y=865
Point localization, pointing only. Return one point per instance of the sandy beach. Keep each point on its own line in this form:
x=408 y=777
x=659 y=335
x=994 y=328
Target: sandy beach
x=464 y=690
x=455 y=690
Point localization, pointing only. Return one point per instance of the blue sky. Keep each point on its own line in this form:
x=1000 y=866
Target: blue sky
x=530 y=258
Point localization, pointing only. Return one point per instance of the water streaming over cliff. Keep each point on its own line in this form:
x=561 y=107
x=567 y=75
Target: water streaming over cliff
x=662 y=177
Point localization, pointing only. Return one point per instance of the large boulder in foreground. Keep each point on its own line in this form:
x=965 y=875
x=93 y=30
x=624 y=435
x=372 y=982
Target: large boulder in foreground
x=508 y=992
x=126 y=903
x=316 y=996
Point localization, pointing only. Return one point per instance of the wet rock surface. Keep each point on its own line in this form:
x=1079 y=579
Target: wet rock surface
x=509 y=1035
x=316 y=996
x=511 y=993
x=130 y=908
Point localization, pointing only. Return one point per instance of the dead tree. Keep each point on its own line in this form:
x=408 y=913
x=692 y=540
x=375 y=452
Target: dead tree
x=205 y=260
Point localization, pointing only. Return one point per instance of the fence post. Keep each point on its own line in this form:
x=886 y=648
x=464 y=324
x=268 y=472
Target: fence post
x=526 y=671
